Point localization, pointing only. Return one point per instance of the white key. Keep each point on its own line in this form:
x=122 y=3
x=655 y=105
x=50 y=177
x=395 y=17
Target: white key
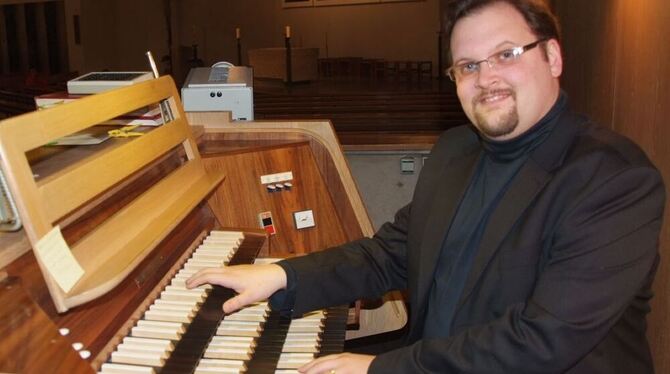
x=157 y=329
x=293 y=360
x=225 y=233
x=207 y=369
x=221 y=245
x=233 y=353
x=181 y=282
x=179 y=305
x=164 y=315
x=137 y=358
x=132 y=347
x=194 y=291
x=182 y=296
x=307 y=322
x=186 y=309
x=184 y=274
x=239 y=330
x=223 y=370
x=307 y=338
x=201 y=264
x=222 y=340
x=300 y=348
x=218 y=363
x=219 y=257
x=249 y=317
x=213 y=248
x=111 y=368
x=306 y=328
x=164 y=343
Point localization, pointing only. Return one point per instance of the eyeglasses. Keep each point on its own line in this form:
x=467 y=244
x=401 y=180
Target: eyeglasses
x=503 y=58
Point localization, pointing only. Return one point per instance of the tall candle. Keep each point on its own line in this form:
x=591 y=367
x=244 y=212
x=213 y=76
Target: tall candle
x=237 y=32
x=288 y=31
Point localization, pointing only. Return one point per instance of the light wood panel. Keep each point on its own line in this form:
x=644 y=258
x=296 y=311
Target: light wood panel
x=116 y=246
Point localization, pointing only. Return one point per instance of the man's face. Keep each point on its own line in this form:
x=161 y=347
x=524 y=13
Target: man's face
x=504 y=101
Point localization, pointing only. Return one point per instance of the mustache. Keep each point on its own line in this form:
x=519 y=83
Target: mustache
x=499 y=91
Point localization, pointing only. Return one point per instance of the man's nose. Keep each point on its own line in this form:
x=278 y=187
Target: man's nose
x=487 y=75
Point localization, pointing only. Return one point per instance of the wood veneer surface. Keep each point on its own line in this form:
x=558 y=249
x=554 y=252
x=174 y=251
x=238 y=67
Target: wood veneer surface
x=96 y=322
x=247 y=197
x=215 y=144
x=620 y=76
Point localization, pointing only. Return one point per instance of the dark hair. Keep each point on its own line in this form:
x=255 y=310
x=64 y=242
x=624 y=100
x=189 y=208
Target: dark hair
x=541 y=20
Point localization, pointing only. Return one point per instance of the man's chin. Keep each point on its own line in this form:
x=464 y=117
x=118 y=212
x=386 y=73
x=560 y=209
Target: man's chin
x=496 y=133
x=494 y=125
x=495 y=129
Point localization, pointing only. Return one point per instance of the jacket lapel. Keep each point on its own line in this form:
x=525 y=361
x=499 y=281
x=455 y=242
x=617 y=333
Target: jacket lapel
x=453 y=180
x=530 y=180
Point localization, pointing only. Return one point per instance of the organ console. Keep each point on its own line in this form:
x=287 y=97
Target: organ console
x=141 y=214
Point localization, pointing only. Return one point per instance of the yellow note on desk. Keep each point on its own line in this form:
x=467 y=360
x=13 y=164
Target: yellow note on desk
x=58 y=259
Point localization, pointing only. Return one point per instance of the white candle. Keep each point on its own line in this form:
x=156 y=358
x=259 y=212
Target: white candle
x=288 y=31
x=237 y=32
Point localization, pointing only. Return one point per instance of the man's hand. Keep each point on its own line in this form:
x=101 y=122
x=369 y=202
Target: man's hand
x=251 y=282
x=343 y=363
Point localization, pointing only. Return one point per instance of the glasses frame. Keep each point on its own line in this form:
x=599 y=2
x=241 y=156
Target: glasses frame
x=493 y=59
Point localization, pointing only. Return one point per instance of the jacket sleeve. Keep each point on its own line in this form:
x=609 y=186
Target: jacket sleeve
x=601 y=255
x=366 y=268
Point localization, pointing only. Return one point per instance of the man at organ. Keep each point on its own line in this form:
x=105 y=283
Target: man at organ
x=530 y=244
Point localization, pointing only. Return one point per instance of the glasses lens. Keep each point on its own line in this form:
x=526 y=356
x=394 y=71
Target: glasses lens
x=506 y=57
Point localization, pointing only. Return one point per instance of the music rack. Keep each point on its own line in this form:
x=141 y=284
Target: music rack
x=115 y=247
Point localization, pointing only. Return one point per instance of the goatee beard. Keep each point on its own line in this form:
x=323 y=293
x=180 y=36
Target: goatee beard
x=500 y=125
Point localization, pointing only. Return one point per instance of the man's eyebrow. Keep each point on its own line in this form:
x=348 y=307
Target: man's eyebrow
x=499 y=47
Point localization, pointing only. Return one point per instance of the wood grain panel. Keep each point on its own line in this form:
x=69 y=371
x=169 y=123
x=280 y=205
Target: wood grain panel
x=325 y=146
x=26 y=329
x=229 y=142
x=239 y=201
x=641 y=112
x=96 y=323
x=634 y=82
x=589 y=67
x=637 y=73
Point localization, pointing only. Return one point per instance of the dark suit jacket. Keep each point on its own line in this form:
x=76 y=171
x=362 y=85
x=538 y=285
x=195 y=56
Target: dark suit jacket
x=561 y=280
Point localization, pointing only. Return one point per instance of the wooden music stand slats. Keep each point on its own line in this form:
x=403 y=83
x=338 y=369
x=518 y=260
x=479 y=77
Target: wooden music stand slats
x=115 y=247
x=138 y=228
x=95 y=175
x=62 y=120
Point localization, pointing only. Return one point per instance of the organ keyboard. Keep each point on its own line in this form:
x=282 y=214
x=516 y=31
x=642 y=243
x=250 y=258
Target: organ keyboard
x=185 y=331
x=133 y=211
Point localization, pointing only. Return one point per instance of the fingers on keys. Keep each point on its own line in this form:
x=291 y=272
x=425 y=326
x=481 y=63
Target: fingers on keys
x=320 y=365
x=208 y=275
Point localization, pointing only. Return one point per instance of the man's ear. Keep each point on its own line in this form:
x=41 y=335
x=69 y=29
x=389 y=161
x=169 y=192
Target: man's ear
x=555 y=58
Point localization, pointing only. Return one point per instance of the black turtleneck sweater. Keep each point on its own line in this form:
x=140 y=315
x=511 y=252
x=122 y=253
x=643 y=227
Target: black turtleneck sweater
x=498 y=164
